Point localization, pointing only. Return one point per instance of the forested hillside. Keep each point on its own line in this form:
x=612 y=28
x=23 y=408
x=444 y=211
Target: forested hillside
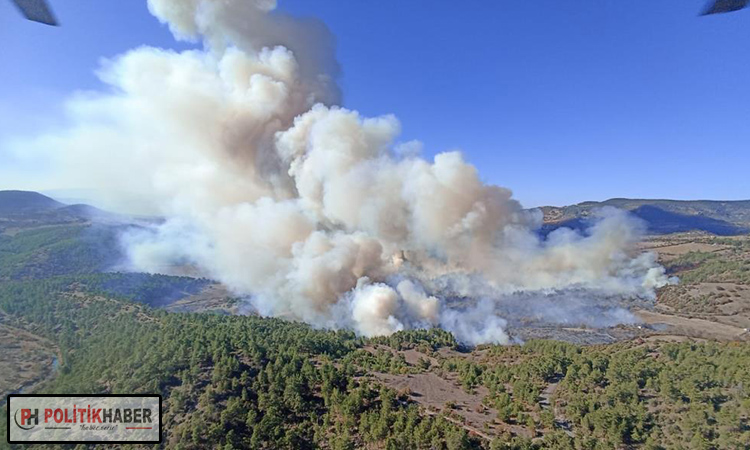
x=250 y=382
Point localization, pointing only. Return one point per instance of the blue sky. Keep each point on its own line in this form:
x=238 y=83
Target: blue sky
x=561 y=101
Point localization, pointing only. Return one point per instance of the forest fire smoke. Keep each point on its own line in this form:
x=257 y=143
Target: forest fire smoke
x=309 y=209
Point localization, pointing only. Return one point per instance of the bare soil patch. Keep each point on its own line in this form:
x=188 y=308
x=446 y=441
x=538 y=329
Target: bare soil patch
x=437 y=394
x=668 y=252
x=214 y=297
x=26 y=360
x=693 y=327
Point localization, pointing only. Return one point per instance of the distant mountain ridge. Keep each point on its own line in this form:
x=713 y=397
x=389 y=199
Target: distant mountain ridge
x=24 y=208
x=15 y=202
x=663 y=216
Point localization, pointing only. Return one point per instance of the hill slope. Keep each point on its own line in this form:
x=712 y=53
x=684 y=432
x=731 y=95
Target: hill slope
x=662 y=216
x=18 y=202
x=24 y=210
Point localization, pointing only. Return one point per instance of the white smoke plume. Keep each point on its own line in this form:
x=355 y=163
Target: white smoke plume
x=310 y=210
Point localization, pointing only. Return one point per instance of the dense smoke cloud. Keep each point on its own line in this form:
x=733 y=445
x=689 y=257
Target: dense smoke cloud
x=306 y=208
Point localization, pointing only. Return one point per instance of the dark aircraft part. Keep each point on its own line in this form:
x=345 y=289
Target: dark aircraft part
x=725 y=6
x=36 y=10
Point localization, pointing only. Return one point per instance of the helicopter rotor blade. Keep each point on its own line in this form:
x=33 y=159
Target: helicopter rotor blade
x=36 y=10
x=724 y=6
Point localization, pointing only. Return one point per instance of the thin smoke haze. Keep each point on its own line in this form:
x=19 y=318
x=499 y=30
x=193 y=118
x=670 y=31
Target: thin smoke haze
x=308 y=209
